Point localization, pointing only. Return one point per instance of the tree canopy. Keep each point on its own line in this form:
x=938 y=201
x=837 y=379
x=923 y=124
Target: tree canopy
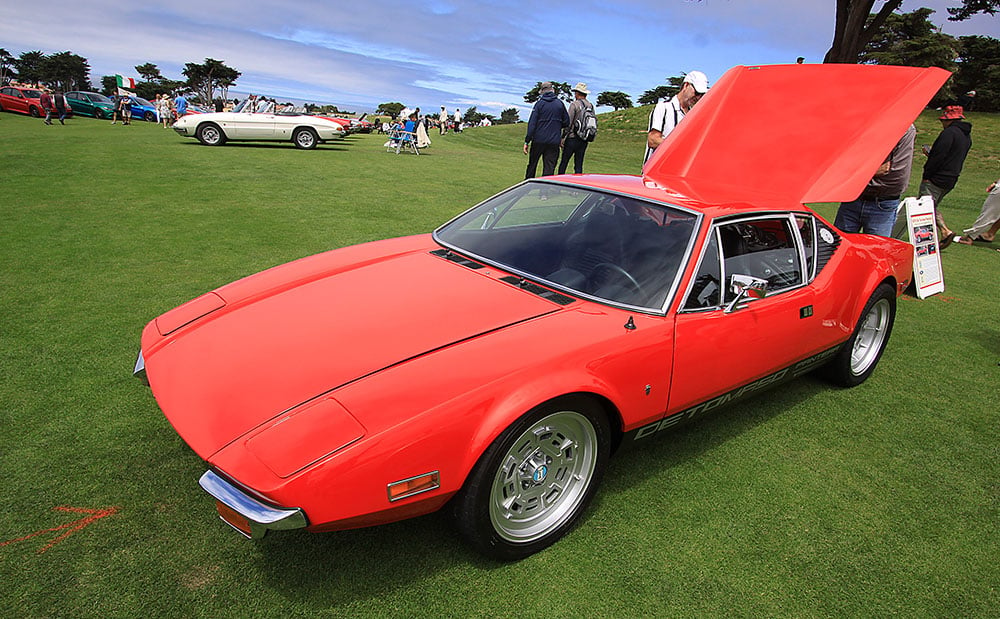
x=616 y=99
x=208 y=76
x=856 y=25
x=509 y=116
x=562 y=91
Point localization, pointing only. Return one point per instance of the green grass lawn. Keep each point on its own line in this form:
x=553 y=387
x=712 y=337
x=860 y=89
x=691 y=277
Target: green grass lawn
x=805 y=501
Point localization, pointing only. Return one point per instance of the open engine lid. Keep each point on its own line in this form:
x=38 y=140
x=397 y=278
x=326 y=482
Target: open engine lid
x=801 y=133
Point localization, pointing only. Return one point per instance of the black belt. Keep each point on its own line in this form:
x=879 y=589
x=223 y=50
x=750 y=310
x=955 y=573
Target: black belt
x=869 y=197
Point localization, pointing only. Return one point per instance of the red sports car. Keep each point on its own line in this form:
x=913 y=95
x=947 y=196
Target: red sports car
x=495 y=365
x=22 y=100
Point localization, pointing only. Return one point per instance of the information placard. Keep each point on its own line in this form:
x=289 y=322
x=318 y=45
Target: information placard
x=928 y=277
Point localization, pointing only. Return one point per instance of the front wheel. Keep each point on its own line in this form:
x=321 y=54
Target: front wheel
x=210 y=135
x=98 y=114
x=35 y=112
x=534 y=481
x=305 y=139
x=149 y=117
x=858 y=357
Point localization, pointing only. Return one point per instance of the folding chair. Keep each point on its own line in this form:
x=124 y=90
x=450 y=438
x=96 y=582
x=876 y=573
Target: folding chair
x=400 y=140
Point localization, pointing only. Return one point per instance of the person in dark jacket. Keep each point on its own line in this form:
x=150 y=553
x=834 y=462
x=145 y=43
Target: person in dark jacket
x=545 y=127
x=945 y=159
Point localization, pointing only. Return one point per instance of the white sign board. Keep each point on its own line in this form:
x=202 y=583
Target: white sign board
x=928 y=278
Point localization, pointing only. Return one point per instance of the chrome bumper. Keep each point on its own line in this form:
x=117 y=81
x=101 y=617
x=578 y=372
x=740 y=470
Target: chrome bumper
x=139 y=371
x=260 y=518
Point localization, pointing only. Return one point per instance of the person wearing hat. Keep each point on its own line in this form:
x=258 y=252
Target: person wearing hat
x=545 y=126
x=945 y=159
x=667 y=114
x=573 y=145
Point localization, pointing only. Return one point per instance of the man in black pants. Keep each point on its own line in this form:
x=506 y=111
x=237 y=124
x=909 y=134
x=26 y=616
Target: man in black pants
x=545 y=126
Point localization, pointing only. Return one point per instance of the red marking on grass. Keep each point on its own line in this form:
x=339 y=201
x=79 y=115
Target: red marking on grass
x=70 y=527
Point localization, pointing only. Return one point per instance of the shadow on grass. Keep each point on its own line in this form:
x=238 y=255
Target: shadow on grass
x=274 y=145
x=364 y=564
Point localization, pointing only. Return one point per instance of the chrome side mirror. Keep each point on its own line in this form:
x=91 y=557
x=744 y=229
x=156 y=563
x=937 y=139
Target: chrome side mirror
x=745 y=287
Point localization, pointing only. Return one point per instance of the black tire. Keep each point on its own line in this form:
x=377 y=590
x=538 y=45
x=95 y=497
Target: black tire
x=98 y=114
x=533 y=483
x=305 y=138
x=860 y=354
x=35 y=112
x=210 y=134
x=149 y=117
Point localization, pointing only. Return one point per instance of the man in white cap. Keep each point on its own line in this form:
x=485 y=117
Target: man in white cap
x=575 y=145
x=667 y=114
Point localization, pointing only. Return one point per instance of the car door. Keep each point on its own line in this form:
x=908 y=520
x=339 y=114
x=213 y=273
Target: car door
x=721 y=350
x=15 y=101
x=80 y=103
x=247 y=126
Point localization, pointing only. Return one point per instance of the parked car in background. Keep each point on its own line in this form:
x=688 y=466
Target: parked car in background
x=143 y=109
x=90 y=104
x=21 y=100
x=494 y=366
x=216 y=128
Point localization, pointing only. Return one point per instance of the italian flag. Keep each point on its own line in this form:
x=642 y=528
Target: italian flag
x=126 y=83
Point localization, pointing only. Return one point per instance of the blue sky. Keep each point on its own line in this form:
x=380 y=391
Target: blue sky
x=430 y=53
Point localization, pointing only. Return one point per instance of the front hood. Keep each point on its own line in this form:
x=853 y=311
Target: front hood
x=799 y=133
x=248 y=361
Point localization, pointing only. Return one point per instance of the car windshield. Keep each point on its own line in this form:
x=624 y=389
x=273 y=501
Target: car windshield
x=32 y=94
x=98 y=98
x=606 y=246
x=142 y=101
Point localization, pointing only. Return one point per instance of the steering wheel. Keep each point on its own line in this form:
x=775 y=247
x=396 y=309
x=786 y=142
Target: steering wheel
x=614 y=268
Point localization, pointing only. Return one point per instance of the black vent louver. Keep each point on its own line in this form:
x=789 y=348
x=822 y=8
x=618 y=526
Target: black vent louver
x=447 y=254
x=545 y=293
x=827 y=242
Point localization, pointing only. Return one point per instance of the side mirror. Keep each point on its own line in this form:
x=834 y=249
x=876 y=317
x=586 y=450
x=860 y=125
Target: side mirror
x=745 y=287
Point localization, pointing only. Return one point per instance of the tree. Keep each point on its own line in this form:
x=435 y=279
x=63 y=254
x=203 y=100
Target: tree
x=616 y=99
x=972 y=7
x=66 y=71
x=509 y=116
x=979 y=70
x=855 y=24
x=473 y=116
x=205 y=78
x=149 y=72
x=29 y=67
x=562 y=91
x=391 y=109
x=911 y=39
x=662 y=92
x=109 y=85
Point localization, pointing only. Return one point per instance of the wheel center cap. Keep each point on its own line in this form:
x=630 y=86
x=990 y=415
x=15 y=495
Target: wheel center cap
x=540 y=473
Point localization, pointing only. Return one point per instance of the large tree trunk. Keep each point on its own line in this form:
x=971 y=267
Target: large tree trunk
x=852 y=30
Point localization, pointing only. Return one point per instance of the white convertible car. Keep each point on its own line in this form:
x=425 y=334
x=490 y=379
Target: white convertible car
x=293 y=126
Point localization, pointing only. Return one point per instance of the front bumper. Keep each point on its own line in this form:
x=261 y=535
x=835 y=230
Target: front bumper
x=245 y=513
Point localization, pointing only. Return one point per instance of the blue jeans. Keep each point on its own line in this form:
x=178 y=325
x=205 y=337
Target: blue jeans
x=870 y=215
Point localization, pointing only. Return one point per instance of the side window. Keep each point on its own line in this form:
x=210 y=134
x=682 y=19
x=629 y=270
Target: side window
x=763 y=248
x=807 y=231
x=705 y=291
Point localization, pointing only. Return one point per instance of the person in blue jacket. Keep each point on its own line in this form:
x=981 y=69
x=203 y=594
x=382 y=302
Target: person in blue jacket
x=545 y=127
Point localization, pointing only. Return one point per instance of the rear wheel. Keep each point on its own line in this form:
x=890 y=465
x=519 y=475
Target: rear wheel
x=857 y=359
x=305 y=139
x=210 y=134
x=535 y=480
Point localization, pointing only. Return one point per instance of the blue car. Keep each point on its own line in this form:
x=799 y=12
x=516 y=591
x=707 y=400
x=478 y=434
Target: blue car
x=143 y=109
